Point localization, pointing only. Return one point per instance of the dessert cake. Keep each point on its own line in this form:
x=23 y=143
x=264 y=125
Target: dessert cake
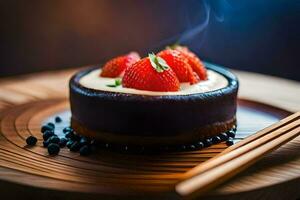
x=166 y=99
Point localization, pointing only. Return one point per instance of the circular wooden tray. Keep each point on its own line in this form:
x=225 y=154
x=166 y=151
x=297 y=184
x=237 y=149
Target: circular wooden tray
x=29 y=170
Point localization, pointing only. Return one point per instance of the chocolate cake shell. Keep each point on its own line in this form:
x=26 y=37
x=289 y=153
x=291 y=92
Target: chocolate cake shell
x=143 y=119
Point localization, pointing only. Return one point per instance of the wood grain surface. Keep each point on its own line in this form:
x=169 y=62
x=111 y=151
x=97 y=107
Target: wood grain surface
x=28 y=101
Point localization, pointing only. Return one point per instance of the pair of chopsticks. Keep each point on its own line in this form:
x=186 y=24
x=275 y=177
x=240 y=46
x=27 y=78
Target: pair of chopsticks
x=238 y=157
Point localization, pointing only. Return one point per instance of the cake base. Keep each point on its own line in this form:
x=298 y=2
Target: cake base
x=150 y=141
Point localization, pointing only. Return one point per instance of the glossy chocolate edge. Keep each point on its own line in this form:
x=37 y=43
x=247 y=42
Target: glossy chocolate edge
x=168 y=115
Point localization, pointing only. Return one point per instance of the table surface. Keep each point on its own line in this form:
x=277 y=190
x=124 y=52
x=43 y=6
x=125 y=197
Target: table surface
x=21 y=89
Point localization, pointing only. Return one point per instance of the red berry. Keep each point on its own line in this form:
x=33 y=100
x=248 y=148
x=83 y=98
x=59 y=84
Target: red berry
x=151 y=73
x=194 y=62
x=116 y=66
x=179 y=64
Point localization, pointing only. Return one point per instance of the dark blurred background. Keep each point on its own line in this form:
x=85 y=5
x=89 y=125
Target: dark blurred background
x=253 y=35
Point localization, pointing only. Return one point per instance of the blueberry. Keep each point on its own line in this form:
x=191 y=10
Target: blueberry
x=95 y=142
x=47 y=134
x=69 y=135
x=125 y=148
x=231 y=133
x=51 y=125
x=189 y=147
x=84 y=150
x=223 y=136
x=234 y=128
x=75 y=146
x=216 y=140
x=199 y=145
x=46 y=128
x=229 y=142
x=84 y=141
x=69 y=143
x=63 y=142
x=73 y=136
x=67 y=129
x=53 y=149
x=54 y=139
x=46 y=143
x=31 y=140
x=58 y=119
x=207 y=142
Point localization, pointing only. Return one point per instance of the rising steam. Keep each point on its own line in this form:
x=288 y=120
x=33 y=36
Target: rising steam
x=198 y=22
x=191 y=33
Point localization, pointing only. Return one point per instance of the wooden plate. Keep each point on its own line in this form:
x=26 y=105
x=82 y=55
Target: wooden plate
x=27 y=171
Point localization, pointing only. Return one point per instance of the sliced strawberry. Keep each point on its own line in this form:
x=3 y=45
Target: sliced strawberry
x=116 y=66
x=151 y=73
x=179 y=64
x=194 y=61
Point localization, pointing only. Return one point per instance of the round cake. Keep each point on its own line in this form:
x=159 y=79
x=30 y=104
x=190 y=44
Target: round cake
x=110 y=111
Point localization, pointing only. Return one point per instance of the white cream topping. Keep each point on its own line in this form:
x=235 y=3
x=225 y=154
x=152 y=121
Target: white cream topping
x=215 y=81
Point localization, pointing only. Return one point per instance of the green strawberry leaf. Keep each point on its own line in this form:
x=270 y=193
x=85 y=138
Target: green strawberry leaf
x=117 y=83
x=162 y=63
x=158 y=63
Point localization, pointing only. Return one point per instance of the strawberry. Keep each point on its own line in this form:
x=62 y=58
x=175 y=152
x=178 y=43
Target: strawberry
x=194 y=61
x=179 y=64
x=116 y=66
x=151 y=73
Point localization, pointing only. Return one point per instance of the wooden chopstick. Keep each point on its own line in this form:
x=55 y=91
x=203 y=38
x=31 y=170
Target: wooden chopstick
x=263 y=132
x=217 y=170
x=258 y=139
